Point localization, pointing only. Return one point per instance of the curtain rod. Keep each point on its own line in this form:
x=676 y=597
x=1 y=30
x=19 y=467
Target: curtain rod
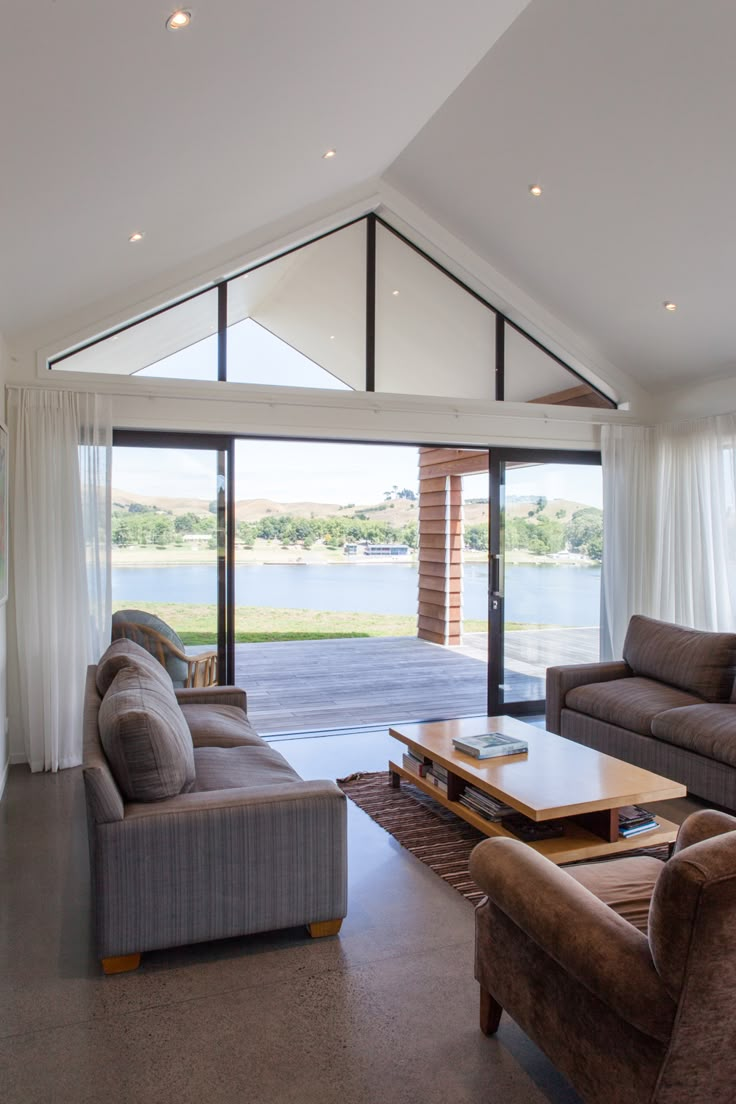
x=536 y=412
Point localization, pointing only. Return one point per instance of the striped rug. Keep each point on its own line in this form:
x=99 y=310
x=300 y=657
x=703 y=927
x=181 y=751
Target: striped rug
x=430 y=832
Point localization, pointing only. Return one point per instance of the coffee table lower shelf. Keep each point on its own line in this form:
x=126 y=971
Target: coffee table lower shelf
x=577 y=844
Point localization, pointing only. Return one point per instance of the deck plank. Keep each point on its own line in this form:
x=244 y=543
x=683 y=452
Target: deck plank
x=296 y=686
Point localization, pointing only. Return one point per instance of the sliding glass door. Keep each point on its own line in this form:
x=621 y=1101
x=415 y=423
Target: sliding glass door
x=546 y=550
x=170 y=534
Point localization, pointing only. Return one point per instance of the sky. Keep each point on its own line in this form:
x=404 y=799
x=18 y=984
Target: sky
x=300 y=471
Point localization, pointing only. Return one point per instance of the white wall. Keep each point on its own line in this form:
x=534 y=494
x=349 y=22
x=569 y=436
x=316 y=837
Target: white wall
x=4 y=748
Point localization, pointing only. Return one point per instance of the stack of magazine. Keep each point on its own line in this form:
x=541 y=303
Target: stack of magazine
x=490 y=744
x=633 y=820
x=415 y=763
x=437 y=776
x=491 y=808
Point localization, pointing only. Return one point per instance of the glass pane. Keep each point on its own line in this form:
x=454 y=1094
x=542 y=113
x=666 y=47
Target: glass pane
x=326 y=583
x=531 y=375
x=299 y=321
x=552 y=550
x=432 y=336
x=179 y=343
x=165 y=539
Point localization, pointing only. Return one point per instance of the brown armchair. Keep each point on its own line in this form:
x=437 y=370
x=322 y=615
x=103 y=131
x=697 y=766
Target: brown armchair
x=646 y=1018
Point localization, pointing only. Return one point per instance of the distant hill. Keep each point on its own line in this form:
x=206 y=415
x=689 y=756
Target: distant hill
x=397 y=512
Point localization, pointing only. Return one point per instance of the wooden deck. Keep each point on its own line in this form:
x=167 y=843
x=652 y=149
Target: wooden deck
x=306 y=685
x=295 y=686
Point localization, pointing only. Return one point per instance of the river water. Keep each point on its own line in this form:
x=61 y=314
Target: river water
x=549 y=594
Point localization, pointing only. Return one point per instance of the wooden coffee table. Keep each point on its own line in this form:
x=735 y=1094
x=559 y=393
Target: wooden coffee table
x=556 y=779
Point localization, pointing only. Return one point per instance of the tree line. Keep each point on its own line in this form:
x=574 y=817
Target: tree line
x=536 y=533
x=544 y=536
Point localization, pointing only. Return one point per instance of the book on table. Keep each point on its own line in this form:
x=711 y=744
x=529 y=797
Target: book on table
x=487 y=806
x=490 y=744
x=633 y=820
x=414 y=765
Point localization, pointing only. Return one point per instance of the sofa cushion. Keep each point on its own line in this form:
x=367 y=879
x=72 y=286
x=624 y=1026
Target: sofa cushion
x=625 y=885
x=631 y=703
x=226 y=768
x=145 y=737
x=220 y=726
x=708 y=730
x=701 y=663
x=126 y=653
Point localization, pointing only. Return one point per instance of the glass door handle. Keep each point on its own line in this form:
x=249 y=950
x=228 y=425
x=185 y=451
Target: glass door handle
x=495 y=576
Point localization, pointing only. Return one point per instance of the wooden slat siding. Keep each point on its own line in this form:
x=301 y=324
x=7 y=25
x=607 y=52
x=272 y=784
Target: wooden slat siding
x=440 y=597
x=453 y=527
x=441 y=545
x=433 y=637
x=449 y=542
x=559 y=397
x=441 y=513
x=436 y=624
x=433 y=498
x=430 y=607
x=582 y=395
x=432 y=527
x=432 y=486
x=430 y=456
x=433 y=555
x=444 y=586
x=454 y=571
x=468 y=465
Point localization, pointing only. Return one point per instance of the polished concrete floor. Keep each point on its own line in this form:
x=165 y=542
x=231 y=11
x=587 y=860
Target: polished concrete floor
x=387 y=1012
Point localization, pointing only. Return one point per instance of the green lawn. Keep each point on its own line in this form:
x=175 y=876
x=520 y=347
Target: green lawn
x=197 y=624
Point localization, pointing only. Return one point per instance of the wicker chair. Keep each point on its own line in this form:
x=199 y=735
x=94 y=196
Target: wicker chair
x=161 y=641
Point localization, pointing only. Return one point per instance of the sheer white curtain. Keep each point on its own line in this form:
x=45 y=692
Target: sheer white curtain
x=61 y=444
x=669 y=516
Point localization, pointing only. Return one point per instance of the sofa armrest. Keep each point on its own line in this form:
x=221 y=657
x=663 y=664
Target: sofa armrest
x=203 y=801
x=212 y=865
x=591 y=942
x=562 y=679
x=213 y=695
x=703 y=825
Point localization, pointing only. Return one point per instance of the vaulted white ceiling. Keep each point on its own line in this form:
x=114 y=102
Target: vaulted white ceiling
x=621 y=110
x=110 y=124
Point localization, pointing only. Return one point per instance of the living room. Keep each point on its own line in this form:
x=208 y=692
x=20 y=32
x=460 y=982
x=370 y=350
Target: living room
x=570 y=211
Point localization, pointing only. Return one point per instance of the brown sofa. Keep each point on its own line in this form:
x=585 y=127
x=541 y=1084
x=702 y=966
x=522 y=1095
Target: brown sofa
x=669 y=706
x=644 y=1017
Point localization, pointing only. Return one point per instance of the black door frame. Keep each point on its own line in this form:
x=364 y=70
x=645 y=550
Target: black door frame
x=497 y=458
x=224 y=445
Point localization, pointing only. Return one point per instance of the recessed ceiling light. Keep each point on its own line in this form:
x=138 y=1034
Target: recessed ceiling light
x=328 y=154
x=178 y=20
x=535 y=189
x=395 y=291
x=670 y=306
x=332 y=337
x=137 y=236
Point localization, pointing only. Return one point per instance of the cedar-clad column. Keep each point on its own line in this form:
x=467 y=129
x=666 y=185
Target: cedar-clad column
x=440 y=553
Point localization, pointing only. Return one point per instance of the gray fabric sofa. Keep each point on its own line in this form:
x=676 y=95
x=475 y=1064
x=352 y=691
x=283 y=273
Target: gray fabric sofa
x=198 y=829
x=669 y=706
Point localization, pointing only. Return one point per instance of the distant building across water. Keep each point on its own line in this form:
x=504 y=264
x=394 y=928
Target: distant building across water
x=377 y=549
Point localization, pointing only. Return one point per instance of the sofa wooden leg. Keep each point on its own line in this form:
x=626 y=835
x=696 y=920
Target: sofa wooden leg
x=121 y=964
x=490 y=1012
x=324 y=927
